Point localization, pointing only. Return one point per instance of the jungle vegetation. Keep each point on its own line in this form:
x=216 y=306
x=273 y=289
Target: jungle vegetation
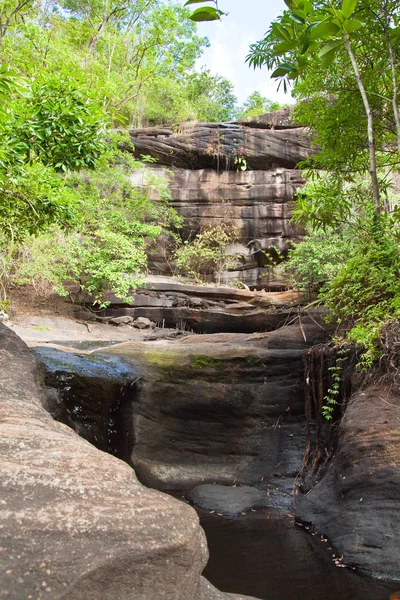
x=341 y=61
x=72 y=74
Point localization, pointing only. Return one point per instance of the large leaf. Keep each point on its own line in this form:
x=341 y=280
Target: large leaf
x=323 y=31
x=328 y=58
x=351 y=25
x=284 y=69
x=297 y=18
x=330 y=47
x=197 y=2
x=281 y=32
x=283 y=47
x=348 y=7
x=306 y=43
x=206 y=14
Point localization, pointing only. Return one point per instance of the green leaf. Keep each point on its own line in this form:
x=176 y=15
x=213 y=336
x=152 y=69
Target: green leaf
x=284 y=69
x=281 y=33
x=352 y=25
x=330 y=46
x=197 y=2
x=206 y=14
x=328 y=58
x=323 y=31
x=348 y=7
x=297 y=18
x=284 y=47
x=306 y=43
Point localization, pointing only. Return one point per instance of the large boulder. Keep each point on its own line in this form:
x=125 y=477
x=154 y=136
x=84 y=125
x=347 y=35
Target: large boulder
x=75 y=522
x=356 y=504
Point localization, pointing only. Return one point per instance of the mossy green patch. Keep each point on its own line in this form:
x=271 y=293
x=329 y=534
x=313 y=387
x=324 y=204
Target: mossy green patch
x=202 y=362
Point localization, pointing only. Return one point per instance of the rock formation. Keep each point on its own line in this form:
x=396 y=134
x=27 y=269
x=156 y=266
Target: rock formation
x=225 y=407
x=356 y=504
x=202 y=309
x=210 y=188
x=75 y=523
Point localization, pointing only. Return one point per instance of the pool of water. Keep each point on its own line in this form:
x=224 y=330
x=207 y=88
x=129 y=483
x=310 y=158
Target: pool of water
x=267 y=556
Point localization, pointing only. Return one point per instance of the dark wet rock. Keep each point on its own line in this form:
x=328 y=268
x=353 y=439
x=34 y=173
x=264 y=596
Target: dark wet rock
x=227 y=412
x=75 y=522
x=93 y=395
x=225 y=499
x=356 y=504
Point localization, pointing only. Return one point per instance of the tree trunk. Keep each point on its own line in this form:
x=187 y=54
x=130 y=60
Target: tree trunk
x=395 y=100
x=371 y=138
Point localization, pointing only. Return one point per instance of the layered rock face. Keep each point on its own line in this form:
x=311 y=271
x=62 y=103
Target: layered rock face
x=356 y=504
x=204 y=309
x=226 y=408
x=210 y=188
x=75 y=522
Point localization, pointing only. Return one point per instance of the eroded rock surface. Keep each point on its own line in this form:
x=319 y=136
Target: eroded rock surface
x=356 y=504
x=75 y=522
x=216 y=145
x=224 y=408
x=227 y=500
x=202 y=309
x=239 y=174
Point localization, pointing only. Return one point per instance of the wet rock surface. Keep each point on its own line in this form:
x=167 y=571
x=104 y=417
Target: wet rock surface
x=75 y=522
x=227 y=410
x=356 y=504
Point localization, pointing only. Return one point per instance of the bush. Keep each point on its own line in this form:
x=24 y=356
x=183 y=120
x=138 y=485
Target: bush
x=365 y=294
x=206 y=254
x=316 y=260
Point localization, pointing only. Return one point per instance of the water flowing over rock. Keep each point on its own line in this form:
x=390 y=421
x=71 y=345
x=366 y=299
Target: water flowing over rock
x=209 y=187
x=75 y=522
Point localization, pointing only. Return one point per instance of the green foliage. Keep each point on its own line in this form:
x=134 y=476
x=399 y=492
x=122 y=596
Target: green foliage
x=316 y=260
x=206 y=254
x=109 y=245
x=205 y=13
x=194 y=97
x=365 y=294
x=59 y=124
x=256 y=104
x=32 y=196
x=336 y=376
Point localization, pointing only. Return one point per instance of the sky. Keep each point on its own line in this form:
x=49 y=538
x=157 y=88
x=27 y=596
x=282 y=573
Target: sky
x=230 y=39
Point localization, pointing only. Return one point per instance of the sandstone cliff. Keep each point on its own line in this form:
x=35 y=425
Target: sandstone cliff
x=210 y=188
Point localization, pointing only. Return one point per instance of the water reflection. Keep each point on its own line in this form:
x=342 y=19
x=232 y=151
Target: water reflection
x=266 y=556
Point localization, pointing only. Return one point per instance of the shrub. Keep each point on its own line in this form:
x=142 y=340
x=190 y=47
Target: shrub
x=207 y=253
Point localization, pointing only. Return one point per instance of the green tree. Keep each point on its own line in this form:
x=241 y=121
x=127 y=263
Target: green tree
x=324 y=33
x=256 y=104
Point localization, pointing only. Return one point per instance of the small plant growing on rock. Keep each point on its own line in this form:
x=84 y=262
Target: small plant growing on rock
x=206 y=254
